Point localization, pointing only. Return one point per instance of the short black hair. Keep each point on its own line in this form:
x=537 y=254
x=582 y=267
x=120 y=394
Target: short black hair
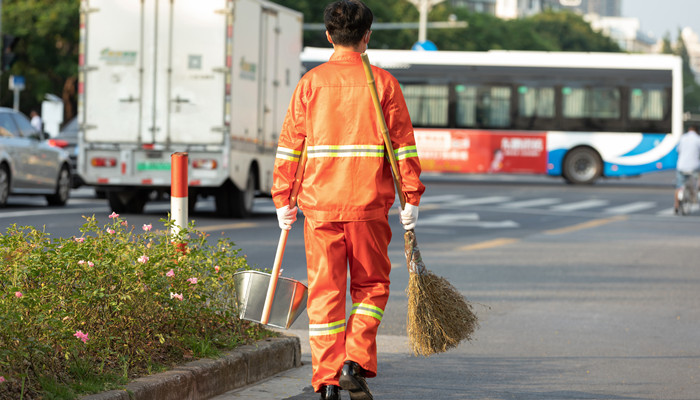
x=347 y=21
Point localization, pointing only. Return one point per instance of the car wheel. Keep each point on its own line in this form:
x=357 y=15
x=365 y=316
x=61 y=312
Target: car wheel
x=60 y=198
x=4 y=185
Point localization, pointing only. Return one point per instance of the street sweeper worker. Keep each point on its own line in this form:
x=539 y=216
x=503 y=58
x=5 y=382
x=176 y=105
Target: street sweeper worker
x=346 y=194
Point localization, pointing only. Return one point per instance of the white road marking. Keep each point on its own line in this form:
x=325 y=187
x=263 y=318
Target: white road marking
x=580 y=205
x=465 y=220
x=666 y=213
x=440 y=199
x=480 y=200
x=631 y=207
x=532 y=203
x=30 y=213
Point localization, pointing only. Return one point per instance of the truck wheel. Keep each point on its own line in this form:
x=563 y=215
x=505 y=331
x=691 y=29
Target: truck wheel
x=130 y=201
x=582 y=166
x=4 y=185
x=191 y=201
x=60 y=197
x=224 y=200
x=244 y=199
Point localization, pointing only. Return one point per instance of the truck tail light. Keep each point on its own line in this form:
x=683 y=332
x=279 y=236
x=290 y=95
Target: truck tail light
x=57 y=143
x=204 y=164
x=103 y=162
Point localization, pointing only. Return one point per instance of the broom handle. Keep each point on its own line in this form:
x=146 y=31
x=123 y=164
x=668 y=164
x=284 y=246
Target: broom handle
x=264 y=319
x=383 y=128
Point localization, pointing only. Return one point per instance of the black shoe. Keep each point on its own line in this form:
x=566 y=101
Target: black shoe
x=330 y=392
x=352 y=379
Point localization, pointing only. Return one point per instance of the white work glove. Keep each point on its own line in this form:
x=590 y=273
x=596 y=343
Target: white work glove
x=286 y=217
x=409 y=216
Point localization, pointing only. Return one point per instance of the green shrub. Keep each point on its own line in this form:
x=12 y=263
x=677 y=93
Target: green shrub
x=85 y=314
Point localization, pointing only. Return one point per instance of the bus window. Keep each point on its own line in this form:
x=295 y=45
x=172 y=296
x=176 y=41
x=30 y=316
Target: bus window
x=427 y=104
x=536 y=102
x=647 y=104
x=483 y=106
x=599 y=103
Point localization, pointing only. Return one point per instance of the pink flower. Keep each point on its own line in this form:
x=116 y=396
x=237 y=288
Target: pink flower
x=124 y=223
x=80 y=240
x=175 y=296
x=170 y=273
x=18 y=294
x=110 y=231
x=2 y=379
x=91 y=264
x=192 y=281
x=82 y=336
x=147 y=227
x=113 y=215
x=216 y=268
x=143 y=259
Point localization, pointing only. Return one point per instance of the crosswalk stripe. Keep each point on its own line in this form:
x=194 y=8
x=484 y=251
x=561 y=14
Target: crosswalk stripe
x=631 y=207
x=480 y=200
x=532 y=203
x=440 y=199
x=581 y=205
x=666 y=213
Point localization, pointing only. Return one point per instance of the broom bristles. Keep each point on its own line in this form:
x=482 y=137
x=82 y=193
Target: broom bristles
x=439 y=317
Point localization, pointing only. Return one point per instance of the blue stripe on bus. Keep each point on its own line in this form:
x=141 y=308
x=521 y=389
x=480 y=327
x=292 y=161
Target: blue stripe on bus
x=555 y=160
x=649 y=141
x=664 y=163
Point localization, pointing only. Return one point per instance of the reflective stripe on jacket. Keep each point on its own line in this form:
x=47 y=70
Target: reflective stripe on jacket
x=347 y=176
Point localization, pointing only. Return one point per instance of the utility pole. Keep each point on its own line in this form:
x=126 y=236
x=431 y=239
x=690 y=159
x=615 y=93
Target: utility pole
x=424 y=7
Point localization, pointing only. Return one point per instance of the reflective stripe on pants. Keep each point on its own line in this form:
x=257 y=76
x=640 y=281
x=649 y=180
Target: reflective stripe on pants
x=331 y=249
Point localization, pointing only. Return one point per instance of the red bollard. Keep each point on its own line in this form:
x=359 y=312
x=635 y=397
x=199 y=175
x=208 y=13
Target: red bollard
x=178 y=191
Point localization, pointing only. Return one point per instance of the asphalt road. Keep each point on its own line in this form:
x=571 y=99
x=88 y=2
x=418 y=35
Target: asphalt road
x=582 y=292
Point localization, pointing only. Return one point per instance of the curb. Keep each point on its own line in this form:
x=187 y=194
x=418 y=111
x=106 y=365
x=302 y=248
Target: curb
x=206 y=378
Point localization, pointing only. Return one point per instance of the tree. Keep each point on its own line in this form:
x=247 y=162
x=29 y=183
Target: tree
x=48 y=33
x=691 y=89
x=547 y=31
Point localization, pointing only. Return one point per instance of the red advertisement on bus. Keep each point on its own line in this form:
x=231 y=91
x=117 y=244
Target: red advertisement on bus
x=475 y=151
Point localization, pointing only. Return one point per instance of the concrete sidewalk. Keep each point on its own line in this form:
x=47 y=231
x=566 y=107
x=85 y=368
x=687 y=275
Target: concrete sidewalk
x=295 y=383
x=206 y=378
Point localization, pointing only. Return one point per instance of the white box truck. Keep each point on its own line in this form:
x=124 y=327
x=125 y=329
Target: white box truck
x=212 y=78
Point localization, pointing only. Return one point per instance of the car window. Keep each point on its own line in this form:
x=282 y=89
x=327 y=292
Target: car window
x=7 y=126
x=24 y=125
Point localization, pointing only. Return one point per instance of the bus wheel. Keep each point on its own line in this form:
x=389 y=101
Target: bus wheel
x=582 y=165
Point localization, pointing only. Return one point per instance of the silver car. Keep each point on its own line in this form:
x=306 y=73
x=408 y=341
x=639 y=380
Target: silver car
x=28 y=164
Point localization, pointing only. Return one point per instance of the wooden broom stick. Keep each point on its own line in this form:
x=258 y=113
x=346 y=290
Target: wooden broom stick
x=272 y=285
x=439 y=317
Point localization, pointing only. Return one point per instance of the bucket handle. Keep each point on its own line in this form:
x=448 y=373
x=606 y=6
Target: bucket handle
x=283 y=241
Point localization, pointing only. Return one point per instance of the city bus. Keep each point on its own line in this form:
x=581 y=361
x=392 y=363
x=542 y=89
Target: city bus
x=581 y=116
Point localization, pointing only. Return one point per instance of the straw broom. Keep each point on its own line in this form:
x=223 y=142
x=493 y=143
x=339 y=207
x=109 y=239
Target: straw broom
x=439 y=317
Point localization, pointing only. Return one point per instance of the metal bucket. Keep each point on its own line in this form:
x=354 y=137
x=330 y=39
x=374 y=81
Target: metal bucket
x=251 y=290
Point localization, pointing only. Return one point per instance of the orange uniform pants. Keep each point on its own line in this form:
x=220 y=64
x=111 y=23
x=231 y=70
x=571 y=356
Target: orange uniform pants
x=333 y=248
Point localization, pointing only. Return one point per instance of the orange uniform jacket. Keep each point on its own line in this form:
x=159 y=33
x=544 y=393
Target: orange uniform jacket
x=347 y=177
